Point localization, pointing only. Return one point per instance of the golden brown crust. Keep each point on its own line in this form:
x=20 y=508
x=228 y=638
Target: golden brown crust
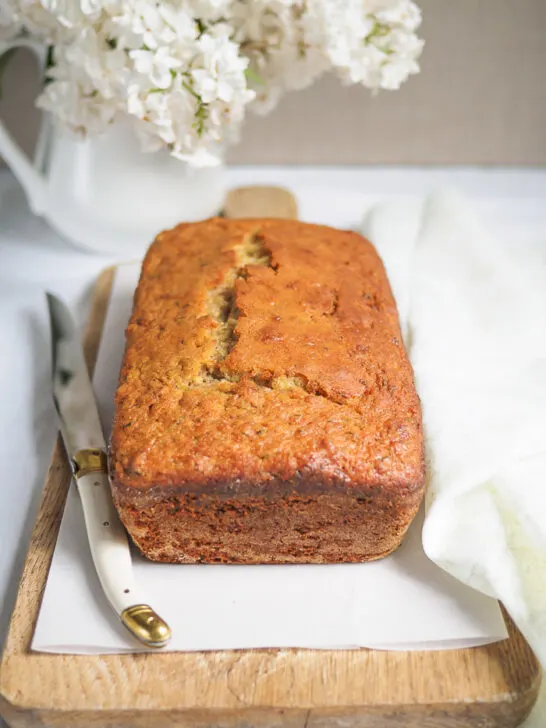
x=264 y=362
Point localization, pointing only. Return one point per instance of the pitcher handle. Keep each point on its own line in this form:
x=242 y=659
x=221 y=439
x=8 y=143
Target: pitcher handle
x=22 y=167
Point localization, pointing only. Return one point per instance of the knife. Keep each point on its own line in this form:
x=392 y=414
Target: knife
x=86 y=449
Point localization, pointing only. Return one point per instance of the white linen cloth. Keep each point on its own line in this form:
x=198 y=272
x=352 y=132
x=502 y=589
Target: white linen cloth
x=474 y=323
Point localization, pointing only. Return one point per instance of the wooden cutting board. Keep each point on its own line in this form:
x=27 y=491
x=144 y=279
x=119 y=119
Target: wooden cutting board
x=489 y=686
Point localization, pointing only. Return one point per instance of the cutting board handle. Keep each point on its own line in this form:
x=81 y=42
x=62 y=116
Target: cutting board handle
x=256 y=201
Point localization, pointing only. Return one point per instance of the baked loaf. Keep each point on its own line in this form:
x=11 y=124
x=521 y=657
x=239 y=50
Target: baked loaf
x=266 y=411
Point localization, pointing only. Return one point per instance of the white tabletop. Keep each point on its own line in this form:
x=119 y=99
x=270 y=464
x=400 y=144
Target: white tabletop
x=33 y=259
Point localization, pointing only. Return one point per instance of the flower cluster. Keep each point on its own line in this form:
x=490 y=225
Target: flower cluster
x=186 y=70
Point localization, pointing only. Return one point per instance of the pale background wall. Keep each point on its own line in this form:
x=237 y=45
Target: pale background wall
x=480 y=99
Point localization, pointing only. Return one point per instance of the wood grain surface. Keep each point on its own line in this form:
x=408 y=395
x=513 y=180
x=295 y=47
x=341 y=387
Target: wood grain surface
x=487 y=687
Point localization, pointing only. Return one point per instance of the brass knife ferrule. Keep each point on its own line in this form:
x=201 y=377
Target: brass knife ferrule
x=146 y=625
x=90 y=460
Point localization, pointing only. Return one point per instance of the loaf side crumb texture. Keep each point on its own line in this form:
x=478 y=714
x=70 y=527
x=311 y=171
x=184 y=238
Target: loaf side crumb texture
x=265 y=351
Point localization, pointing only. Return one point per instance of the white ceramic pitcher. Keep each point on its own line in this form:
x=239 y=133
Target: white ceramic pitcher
x=103 y=193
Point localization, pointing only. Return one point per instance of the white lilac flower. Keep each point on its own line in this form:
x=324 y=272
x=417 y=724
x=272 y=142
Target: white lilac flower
x=221 y=72
x=32 y=17
x=399 y=14
x=156 y=66
x=71 y=14
x=186 y=71
x=272 y=34
x=75 y=101
x=370 y=43
x=210 y=10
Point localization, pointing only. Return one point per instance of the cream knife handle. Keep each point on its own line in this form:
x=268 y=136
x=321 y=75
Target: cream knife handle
x=108 y=541
x=110 y=550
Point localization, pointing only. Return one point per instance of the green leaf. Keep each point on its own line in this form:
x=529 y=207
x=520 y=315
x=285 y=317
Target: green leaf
x=201 y=27
x=253 y=77
x=379 y=30
x=191 y=91
x=49 y=63
x=49 y=57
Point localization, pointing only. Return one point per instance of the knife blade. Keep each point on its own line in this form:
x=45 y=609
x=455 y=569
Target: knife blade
x=86 y=449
